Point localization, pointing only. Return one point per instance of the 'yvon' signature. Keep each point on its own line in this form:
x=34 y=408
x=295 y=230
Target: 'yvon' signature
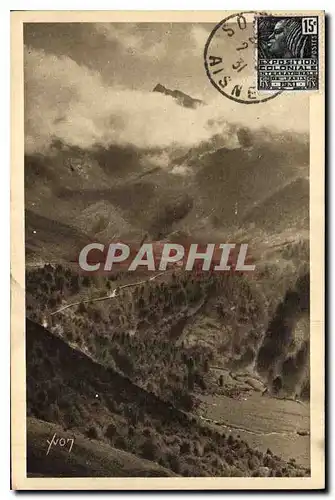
x=61 y=442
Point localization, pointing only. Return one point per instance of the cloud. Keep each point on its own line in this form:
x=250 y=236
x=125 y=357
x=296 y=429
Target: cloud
x=69 y=102
x=182 y=170
x=72 y=103
x=199 y=36
x=130 y=40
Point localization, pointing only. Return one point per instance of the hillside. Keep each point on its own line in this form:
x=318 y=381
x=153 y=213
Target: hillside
x=88 y=457
x=233 y=181
x=286 y=207
x=180 y=323
x=50 y=240
x=104 y=405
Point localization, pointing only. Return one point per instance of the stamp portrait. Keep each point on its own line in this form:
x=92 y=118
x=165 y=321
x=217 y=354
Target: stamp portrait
x=287 y=55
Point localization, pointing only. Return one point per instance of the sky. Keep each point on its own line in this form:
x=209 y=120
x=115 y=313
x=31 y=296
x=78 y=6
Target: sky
x=136 y=56
x=91 y=83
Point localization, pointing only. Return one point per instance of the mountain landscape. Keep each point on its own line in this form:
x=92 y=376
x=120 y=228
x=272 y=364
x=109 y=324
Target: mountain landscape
x=150 y=374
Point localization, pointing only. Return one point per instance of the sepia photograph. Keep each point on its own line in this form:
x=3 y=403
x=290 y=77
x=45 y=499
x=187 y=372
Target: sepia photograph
x=168 y=211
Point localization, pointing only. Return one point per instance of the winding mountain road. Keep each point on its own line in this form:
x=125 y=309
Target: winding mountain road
x=111 y=295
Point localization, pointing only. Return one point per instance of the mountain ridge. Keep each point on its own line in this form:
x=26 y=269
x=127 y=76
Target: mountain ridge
x=182 y=98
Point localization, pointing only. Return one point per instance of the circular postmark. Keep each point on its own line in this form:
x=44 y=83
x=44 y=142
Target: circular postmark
x=230 y=59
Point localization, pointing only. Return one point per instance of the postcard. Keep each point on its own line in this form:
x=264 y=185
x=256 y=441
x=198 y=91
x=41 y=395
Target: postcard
x=167 y=250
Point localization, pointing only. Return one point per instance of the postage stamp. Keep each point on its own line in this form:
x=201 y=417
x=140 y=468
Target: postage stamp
x=287 y=53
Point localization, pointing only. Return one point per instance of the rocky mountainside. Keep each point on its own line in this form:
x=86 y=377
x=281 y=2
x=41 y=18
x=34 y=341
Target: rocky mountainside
x=182 y=99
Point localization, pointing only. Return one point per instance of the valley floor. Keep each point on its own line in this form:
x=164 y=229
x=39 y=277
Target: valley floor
x=264 y=422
